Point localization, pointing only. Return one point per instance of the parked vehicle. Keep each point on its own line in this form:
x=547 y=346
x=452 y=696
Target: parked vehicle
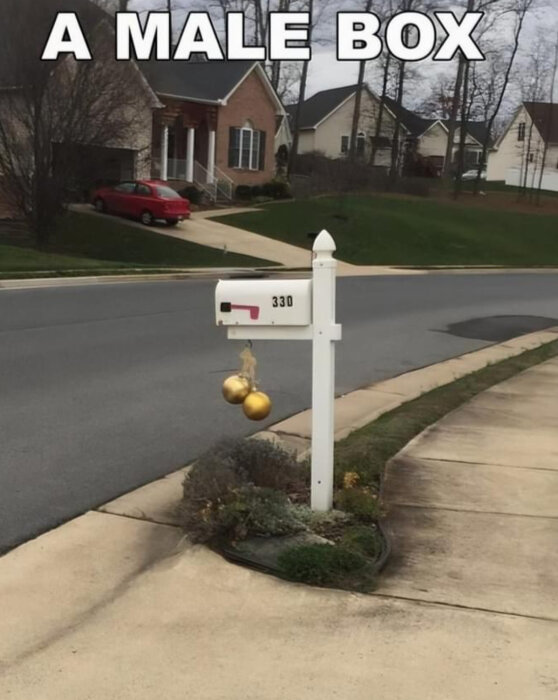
x=146 y=200
x=472 y=174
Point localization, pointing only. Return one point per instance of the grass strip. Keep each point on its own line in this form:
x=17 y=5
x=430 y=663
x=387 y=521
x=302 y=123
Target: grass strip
x=367 y=450
x=85 y=241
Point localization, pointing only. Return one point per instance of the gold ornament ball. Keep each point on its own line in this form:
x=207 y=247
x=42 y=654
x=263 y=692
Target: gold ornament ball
x=236 y=388
x=257 y=405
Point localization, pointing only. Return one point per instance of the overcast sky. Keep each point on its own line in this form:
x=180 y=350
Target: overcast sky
x=326 y=72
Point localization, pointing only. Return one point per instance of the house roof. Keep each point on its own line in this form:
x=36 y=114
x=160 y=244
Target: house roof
x=199 y=81
x=414 y=124
x=417 y=125
x=545 y=118
x=316 y=108
x=477 y=130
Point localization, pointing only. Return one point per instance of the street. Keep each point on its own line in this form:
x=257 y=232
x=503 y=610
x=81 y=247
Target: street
x=104 y=388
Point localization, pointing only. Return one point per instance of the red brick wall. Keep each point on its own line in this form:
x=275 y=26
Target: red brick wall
x=251 y=101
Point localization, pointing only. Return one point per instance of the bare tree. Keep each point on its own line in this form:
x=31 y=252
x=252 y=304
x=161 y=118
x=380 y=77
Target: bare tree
x=380 y=118
x=358 y=100
x=519 y=10
x=437 y=105
x=301 y=97
x=550 y=122
x=485 y=6
x=51 y=111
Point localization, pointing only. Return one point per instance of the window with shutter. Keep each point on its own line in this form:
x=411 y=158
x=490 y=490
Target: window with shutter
x=246 y=148
x=234 y=147
x=261 y=157
x=255 y=159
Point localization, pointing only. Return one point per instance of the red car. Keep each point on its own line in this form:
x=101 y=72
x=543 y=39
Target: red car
x=145 y=200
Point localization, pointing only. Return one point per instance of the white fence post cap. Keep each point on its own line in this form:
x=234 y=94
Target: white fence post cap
x=324 y=243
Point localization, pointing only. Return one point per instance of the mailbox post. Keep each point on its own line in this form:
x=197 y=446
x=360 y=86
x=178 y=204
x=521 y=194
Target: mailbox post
x=325 y=332
x=295 y=310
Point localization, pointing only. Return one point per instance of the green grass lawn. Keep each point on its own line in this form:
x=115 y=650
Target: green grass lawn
x=82 y=241
x=377 y=230
x=30 y=260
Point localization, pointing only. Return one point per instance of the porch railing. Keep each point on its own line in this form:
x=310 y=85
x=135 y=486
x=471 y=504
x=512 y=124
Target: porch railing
x=220 y=186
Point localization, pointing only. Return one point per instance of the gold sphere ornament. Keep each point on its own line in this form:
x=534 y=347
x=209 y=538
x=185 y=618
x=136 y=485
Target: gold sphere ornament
x=236 y=388
x=257 y=405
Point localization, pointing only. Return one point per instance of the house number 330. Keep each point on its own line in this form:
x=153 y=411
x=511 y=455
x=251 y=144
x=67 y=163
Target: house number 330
x=281 y=302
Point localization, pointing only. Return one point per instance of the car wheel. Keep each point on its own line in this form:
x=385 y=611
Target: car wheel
x=172 y=222
x=147 y=218
x=100 y=205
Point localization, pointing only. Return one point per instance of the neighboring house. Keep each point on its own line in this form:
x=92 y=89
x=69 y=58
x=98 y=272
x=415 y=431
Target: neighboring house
x=326 y=122
x=517 y=157
x=429 y=138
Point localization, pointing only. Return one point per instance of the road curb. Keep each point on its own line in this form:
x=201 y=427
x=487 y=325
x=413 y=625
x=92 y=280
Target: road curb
x=192 y=273
x=157 y=502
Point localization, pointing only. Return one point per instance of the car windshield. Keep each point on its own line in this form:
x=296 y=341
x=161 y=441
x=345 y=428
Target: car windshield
x=167 y=193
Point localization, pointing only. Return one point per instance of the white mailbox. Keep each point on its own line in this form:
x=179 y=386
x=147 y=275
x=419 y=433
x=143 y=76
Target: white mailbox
x=264 y=302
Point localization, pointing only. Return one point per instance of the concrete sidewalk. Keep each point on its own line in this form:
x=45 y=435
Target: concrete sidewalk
x=474 y=504
x=112 y=606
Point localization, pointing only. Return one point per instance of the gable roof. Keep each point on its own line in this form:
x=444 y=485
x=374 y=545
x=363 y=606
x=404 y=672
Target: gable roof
x=210 y=82
x=316 y=108
x=477 y=130
x=545 y=118
x=415 y=124
x=199 y=81
x=418 y=125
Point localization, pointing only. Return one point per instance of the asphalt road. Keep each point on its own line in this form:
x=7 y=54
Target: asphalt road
x=104 y=388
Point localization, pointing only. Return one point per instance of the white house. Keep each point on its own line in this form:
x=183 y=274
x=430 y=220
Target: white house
x=326 y=122
x=519 y=154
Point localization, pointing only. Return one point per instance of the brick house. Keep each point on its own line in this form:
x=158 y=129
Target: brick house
x=218 y=123
x=208 y=123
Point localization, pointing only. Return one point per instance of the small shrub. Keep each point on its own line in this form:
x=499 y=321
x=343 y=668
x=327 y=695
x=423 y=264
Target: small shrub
x=243 y=192
x=364 y=540
x=219 y=477
x=257 y=191
x=257 y=511
x=268 y=465
x=321 y=564
x=276 y=189
x=362 y=504
x=192 y=193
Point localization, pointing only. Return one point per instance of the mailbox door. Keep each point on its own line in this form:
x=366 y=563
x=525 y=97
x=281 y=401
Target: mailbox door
x=264 y=302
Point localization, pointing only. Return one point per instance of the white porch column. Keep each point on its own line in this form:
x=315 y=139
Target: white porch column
x=165 y=152
x=190 y=154
x=211 y=157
